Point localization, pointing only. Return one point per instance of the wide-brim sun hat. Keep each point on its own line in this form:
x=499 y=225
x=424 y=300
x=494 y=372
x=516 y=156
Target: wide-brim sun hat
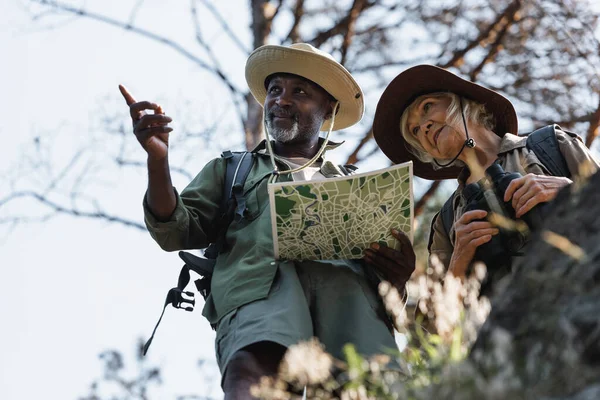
x=420 y=80
x=313 y=64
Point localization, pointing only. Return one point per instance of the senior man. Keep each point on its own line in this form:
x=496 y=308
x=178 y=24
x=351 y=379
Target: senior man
x=259 y=305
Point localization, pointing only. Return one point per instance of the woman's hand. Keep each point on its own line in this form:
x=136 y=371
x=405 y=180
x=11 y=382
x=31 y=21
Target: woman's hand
x=470 y=233
x=528 y=191
x=151 y=130
x=396 y=266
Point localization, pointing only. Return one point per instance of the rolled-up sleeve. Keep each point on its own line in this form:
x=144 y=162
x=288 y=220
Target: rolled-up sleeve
x=193 y=224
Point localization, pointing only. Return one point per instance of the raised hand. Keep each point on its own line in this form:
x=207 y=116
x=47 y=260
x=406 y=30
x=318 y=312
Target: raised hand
x=151 y=130
x=471 y=233
x=396 y=266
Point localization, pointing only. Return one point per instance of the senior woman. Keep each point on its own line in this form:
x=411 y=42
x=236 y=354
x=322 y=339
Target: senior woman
x=452 y=128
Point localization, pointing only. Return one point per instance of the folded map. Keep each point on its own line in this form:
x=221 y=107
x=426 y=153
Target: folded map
x=338 y=218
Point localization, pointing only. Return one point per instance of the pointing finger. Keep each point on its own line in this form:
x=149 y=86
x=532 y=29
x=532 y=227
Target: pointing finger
x=128 y=97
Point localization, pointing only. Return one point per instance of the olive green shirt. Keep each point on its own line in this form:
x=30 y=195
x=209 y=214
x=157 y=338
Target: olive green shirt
x=513 y=156
x=245 y=270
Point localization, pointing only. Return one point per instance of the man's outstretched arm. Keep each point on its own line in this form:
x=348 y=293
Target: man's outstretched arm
x=152 y=131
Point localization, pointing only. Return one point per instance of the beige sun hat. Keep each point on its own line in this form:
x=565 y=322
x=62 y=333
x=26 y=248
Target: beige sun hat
x=313 y=64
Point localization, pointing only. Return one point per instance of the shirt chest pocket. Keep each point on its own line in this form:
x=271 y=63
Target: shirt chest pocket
x=257 y=197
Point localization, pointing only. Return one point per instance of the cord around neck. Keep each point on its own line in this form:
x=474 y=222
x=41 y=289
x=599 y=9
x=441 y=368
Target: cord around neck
x=470 y=143
x=276 y=171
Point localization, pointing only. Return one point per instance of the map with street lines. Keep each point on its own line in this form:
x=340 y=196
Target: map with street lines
x=338 y=218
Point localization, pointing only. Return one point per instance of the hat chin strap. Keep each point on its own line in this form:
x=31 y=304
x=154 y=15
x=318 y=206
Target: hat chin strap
x=276 y=172
x=470 y=143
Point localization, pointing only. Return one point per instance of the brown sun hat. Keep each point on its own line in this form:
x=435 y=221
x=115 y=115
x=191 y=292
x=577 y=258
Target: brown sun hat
x=420 y=80
x=313 y=64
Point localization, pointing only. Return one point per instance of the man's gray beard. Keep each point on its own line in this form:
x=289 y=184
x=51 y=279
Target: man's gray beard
x=283 y=135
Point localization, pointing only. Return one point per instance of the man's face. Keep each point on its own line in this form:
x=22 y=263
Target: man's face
x=295 y=108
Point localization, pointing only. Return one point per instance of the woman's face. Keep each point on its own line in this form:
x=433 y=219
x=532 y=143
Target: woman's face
x=427 y=122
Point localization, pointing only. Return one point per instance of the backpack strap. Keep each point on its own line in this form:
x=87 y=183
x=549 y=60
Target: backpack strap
x=237 y=168
x=233 y=201
x=544 y=144
x=201 y=266
x=243 y=162
x=347 y=169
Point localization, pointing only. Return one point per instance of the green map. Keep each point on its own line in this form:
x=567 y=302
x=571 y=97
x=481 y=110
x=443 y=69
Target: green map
x=338 y=218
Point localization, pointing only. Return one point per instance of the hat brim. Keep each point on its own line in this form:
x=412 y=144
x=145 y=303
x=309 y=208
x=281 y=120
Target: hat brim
x=420 y=80
x=325 y=72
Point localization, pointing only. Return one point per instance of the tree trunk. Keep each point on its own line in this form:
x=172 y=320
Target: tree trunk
x=262 y=17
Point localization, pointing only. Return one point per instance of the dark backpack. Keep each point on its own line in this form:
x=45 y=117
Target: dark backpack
x=544 y=144
x=233 y=206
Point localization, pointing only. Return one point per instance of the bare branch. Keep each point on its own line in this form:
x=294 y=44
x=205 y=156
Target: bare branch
x=353 y=157
x=134 y=11
x=236 y=40
x=294 y=34
x=341 y=26
x=386 y=64
x=58 y=209
x=574 y=42
x=594 y=128
x=66 y=170
x=497 y=45
x=235 y=93
x=357 y=7
x=121 y=162
x=140 y=31
x=422 y=202
x=458 y=56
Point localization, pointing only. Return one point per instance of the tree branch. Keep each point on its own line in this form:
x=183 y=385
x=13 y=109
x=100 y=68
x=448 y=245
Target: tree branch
x=340 y=27
x=294 y=34
x=121 y=162
x=225 y=26
x=134 y=11
x=485 y=34
x=422 y=202
x=235 y=93
x=353 y=158
x=497 y=45
x=348 y=30
x=128 y=27
x=594 y=128
x=58 y=209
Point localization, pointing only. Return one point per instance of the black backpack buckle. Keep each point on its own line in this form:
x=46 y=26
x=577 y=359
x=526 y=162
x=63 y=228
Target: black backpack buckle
x=175 y=297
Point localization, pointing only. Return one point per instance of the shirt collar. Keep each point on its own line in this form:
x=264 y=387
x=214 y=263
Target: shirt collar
x=508 y=143
x=511 y=142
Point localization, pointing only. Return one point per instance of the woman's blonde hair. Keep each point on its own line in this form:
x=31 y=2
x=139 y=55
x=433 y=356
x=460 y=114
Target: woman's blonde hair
x=474 y=112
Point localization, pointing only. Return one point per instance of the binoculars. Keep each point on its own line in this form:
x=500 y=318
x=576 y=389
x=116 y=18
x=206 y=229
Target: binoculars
x=498 y=252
